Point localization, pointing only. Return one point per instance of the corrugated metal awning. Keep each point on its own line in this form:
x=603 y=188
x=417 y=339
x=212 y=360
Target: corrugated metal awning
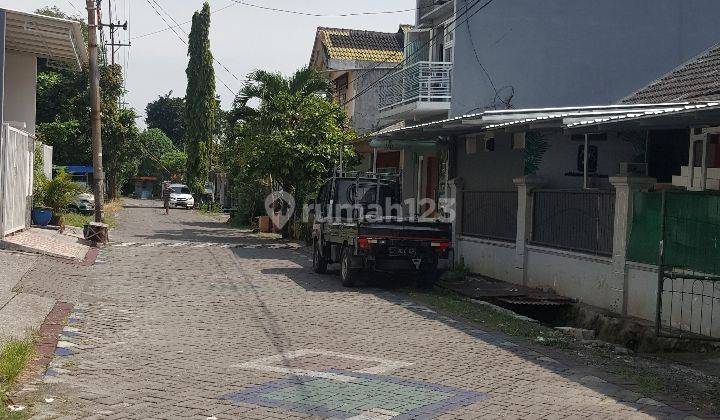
x=44 y=36
x=576 y=119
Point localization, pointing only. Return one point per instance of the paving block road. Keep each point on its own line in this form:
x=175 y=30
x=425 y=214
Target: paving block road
x=185 y=317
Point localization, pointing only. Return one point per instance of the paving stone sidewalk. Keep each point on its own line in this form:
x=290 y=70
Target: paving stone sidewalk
x=252 y=333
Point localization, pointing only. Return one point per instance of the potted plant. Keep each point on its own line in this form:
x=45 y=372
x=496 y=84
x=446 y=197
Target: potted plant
x=40 y=213
x=59 y=194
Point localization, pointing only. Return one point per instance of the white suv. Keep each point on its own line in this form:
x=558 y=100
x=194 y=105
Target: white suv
x=181 y=196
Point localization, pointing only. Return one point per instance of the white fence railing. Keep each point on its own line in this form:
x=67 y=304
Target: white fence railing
x=17 y=150
x=424 y=81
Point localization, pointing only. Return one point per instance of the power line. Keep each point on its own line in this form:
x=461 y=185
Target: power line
x=390 y=71
x=184 y=41
x=77 y=9
x=297 y=12
x=181 y=23
x=214 y=58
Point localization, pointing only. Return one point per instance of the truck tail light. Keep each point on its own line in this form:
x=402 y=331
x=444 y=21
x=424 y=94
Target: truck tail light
x=440 y=246
x=363 y=243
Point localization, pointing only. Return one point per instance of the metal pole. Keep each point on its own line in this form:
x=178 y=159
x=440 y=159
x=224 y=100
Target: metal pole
x=585 y=164
x=112 y=34
x=342 y=151
x=95 y=127
x=704 y=167
x=661 y=269
x=375 y=160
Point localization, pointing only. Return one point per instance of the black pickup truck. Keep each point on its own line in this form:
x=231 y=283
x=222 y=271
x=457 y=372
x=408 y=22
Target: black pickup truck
x=362 y=230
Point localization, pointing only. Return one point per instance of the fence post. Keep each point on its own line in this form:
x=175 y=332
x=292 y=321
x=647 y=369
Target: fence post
x=525 y=185
x=625 y=188
x=456 y=186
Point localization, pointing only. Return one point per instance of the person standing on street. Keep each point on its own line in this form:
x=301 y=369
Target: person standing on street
x=166 y=191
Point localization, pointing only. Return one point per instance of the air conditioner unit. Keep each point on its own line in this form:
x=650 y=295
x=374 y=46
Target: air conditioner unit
x=633 y=169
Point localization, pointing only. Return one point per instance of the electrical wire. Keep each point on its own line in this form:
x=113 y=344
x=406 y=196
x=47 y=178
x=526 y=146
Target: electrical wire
x=181 y=23
x=186 y=43
x=497 y=91
x=297 y=12
x=391 y=70
x=77 y=9
x=186 y=34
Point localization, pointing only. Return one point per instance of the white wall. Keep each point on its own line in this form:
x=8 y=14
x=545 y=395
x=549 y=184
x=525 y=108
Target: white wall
x=587 y=278
x=489 y=258
x=20 y=89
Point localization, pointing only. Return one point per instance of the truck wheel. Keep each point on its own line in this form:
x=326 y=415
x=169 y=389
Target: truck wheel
x=346 y=267
x=319 y=262
x=426 y=280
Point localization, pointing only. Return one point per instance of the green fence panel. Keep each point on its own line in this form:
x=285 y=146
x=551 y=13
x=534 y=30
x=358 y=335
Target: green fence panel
x=692 y=231
x=645 y=230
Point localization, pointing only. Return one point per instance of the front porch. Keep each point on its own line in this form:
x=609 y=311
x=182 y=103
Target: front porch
x=545 y=198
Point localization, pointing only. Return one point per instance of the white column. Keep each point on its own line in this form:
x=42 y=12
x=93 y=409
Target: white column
x=625 y=187
x=525 y=185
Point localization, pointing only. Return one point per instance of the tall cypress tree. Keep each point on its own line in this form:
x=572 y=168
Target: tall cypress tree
x=200 y=109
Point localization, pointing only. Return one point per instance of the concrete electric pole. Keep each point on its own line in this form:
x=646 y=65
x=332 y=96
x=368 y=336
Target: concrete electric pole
x=95 y=121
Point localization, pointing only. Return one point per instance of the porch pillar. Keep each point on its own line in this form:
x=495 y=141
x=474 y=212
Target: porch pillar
x=625 y=188
x=525 y=186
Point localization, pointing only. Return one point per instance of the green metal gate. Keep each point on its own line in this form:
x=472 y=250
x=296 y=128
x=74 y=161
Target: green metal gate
x=680 y=232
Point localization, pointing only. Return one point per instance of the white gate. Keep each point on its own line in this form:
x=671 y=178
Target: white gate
x=17 y=149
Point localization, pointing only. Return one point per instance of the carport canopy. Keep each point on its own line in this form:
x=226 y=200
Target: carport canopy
x=44 y=36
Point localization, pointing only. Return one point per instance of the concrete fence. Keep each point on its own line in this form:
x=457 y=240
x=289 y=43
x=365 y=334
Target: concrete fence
x=603 y=278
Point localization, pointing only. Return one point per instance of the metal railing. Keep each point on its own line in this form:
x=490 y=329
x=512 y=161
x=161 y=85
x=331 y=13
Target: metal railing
x=424 y=81
x=490 y=214
x=17 y=151
x=580 y=221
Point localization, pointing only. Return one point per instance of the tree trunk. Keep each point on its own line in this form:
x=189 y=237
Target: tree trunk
x=112 y=181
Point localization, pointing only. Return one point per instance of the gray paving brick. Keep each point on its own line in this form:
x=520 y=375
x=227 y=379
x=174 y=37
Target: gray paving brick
x=167 y=330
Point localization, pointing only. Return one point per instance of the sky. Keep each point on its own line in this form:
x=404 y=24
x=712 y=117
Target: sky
x=242 y=38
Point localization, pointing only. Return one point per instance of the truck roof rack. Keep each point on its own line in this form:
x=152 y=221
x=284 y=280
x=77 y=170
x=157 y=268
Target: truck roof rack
x=364 y=174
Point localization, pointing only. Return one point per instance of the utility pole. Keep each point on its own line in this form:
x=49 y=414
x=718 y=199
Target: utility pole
x=95 y=128
x=112 y=27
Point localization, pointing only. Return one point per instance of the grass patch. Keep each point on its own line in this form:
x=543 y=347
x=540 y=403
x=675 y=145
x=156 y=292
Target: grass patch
x=80 y=220
x=650 y=383
x=455 y=304
x=14 y=356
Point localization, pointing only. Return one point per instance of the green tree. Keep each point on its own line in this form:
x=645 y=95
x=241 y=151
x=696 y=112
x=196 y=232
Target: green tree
x=154 y=144
x=63 y=116
x=168 y=114
x=201 y=105
x=173 y=164
x=293 y=136
x=161 y=158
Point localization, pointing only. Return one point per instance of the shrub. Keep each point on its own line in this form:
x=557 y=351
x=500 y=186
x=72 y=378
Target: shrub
x=58 y=193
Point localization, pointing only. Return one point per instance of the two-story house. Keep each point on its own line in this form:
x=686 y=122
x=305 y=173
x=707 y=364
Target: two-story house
x=541 y=193
x=354 y=60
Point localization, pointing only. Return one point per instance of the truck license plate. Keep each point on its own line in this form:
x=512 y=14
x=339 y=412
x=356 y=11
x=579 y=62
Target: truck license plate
x=402 y=252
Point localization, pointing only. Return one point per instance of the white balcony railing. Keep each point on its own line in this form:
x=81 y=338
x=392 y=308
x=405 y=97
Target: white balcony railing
x=424 y=81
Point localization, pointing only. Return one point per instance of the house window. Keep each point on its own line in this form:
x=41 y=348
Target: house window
x=592 y=159
x=518 y=141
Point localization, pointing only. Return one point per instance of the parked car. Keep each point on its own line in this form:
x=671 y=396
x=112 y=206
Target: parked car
x=84 y=203
x=389 y=244
x=181 y=196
